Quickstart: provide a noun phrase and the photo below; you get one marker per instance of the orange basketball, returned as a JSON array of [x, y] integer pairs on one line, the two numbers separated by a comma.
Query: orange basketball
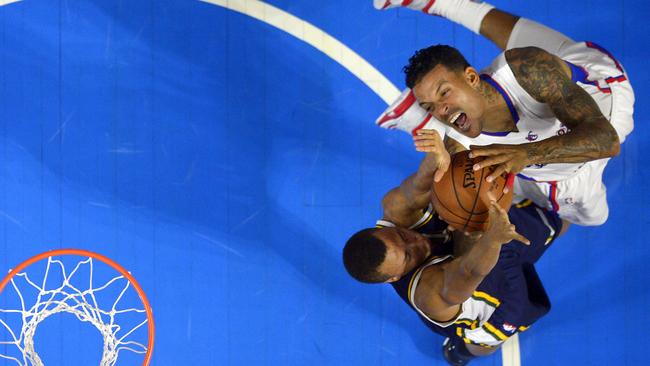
[[461, 196]]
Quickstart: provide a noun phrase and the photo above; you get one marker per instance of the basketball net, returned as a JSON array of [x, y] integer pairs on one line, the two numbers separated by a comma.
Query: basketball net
[[81, 302]]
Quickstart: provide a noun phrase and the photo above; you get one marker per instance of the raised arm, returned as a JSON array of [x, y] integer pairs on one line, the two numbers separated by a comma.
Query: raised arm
[[403, 205], [443, 288], [547, 78]]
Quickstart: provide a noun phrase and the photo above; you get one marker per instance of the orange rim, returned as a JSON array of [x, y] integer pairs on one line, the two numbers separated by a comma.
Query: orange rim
[[110, 262]]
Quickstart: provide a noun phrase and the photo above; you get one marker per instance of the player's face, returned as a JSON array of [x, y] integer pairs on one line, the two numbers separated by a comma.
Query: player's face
[[405, 250], [453, 97]]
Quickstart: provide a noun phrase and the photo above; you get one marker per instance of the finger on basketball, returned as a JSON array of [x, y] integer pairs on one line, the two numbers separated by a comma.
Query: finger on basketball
[[510, 181], [438, 175], [476, 151], [497, 172], [443, 166], [461, 198], [499, 159], [492, 198]]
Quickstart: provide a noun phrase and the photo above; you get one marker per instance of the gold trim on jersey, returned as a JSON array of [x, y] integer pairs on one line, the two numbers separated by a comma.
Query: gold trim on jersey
[[490, 300], [461, 333], [523, 328], [472, 324], [493, 331], [381, 223], [427, 214], [524, 203], [421, 224]]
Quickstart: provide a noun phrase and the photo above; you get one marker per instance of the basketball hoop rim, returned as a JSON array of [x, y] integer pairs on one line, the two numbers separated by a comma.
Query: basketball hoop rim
[[110, 262]]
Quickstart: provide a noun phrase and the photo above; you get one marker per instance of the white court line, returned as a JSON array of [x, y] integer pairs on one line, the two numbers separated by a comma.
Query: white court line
[[510, 351], [5, 2], [317, 38]]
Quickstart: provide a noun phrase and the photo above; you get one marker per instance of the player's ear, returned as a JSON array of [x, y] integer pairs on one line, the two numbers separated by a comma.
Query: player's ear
[[472, 76]]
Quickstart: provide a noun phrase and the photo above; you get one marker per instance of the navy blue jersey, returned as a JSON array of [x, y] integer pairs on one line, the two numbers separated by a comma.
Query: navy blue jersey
[[511, 297]]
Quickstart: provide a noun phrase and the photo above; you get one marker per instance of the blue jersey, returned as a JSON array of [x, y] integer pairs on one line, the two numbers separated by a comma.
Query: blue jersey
[[510, 298]]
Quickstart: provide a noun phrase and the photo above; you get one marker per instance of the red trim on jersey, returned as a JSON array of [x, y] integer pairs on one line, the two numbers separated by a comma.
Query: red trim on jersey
[[424, 122], [428, 6], [616, 79], [609, 80], [604, 90], [399, 110], [510, 180]]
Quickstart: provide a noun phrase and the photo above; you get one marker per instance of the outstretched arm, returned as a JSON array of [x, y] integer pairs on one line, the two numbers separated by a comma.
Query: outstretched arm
[[547, 78], [403, 205], [443, 288]]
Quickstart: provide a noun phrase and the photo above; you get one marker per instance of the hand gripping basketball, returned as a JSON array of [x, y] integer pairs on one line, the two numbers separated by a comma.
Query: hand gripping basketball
[[461, 197]]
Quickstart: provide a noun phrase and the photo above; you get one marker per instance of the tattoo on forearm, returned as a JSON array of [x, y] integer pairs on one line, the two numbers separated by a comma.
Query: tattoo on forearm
[[545, 78]]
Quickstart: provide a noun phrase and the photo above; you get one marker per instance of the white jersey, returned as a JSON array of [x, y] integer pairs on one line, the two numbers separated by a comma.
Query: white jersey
[[593, 69], [575, 191]]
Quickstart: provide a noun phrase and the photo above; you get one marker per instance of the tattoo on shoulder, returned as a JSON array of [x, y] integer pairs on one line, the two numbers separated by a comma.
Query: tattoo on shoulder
[[539, 73], [546, 78]]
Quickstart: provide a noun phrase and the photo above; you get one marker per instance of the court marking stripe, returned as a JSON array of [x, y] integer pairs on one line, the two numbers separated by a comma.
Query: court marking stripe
[[318, 39], [510, 351], [7, 2]]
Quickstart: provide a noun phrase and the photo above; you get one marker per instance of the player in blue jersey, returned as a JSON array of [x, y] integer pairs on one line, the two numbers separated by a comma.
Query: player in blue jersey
[[475, 290]]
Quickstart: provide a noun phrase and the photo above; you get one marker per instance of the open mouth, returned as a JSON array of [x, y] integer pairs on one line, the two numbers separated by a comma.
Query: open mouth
[[460, 120]]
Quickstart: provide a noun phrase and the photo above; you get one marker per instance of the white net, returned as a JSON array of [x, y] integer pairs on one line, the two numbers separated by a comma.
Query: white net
[[67, 296]]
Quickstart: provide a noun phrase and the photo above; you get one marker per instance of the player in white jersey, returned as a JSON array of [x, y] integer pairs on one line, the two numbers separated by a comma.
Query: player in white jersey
[[549, 109]]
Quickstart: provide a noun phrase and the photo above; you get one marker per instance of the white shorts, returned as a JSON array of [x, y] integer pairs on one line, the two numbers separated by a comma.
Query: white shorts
[[581, 199]]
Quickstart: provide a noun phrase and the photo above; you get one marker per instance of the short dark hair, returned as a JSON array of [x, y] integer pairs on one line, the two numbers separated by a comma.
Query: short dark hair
[[363, 254], [427, 59]]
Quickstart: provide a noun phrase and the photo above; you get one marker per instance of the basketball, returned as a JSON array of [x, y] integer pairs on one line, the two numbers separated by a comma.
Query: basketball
[[461, 197]]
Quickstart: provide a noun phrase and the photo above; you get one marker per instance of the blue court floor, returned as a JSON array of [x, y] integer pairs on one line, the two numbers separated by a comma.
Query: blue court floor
[[224, 162]]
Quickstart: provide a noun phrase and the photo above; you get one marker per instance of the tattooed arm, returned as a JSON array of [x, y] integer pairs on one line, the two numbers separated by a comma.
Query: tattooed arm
[[547, 78]]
